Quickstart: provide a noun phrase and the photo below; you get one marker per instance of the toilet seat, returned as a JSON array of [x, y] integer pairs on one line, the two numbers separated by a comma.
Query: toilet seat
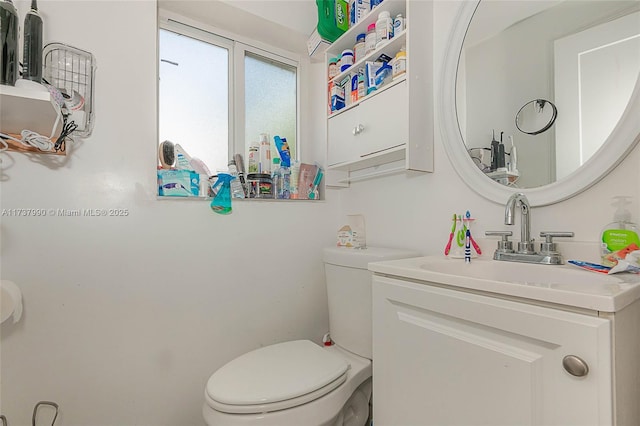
[[275, 377]]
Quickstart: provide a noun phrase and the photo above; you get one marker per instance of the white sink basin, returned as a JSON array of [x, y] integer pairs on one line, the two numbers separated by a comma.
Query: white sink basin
[[563, 284], [522, 273]]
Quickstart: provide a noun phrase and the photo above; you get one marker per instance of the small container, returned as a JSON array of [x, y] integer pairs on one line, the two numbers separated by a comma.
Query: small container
[[347, 59], [254, 159], [265, 154], [399, 64], [358, 49], [370, 39], [259, 185], [384, 28], [398, 24], [333, 67]]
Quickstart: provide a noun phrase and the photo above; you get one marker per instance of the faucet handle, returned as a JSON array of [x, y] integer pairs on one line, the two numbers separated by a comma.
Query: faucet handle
[[549, 246], [504, 245]]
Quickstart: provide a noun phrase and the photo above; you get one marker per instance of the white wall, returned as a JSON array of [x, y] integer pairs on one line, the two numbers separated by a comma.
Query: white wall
[[415, 211], [125, 318]]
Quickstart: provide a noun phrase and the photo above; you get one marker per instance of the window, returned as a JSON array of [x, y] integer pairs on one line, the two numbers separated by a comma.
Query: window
[[217, 95]]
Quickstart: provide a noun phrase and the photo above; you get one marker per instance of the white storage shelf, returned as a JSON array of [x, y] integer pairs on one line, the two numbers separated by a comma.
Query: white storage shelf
[[27, 109], [391, 129]]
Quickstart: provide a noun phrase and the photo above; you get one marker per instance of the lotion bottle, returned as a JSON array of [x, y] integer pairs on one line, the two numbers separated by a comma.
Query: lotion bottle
[[619, 237]]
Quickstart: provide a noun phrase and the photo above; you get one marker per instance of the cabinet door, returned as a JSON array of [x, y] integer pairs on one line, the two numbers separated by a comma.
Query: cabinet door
[[445, 357], [384, 119], [342, 136]]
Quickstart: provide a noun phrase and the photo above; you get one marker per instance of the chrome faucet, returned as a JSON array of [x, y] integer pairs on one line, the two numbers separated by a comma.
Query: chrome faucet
[[548, 255], [525, 245]]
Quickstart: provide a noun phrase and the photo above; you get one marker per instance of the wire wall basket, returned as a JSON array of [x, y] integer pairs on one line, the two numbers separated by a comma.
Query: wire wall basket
[[72, 71]]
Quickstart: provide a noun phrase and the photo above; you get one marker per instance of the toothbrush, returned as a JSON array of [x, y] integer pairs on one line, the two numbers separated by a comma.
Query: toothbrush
[[461, 232], [453, 229], [475, 245], [467, 247], [313, 191]]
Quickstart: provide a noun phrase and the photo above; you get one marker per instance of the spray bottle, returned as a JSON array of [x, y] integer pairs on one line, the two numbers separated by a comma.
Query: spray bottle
[[221, 203], [619, 237]]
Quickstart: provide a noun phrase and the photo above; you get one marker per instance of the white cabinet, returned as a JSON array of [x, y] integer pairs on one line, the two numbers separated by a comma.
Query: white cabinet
[[448, 357], [394, 124], [370, 127]]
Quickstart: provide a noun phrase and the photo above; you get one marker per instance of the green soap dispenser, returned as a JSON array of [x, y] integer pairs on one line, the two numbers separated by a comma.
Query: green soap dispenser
[[620, 236]]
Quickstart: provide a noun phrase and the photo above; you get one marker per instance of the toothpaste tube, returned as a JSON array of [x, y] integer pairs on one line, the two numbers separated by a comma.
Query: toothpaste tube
[[631, 263]]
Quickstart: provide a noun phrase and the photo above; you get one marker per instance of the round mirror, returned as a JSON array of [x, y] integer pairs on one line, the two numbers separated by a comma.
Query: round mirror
[[536, 117], [503, 54]]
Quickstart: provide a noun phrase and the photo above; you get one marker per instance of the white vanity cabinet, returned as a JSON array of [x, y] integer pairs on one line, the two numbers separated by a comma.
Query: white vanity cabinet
[[390, 129], [444, 356]]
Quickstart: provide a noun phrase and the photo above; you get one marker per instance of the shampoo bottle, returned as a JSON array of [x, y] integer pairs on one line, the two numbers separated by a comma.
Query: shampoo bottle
[[619, 237]]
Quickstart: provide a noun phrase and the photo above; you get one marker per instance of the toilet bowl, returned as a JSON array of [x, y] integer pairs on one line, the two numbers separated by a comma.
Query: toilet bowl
[[300, 383]]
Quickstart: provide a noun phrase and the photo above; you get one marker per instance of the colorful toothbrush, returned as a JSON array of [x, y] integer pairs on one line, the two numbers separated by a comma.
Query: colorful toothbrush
[[467, 247], [453, 230], [475, 245]]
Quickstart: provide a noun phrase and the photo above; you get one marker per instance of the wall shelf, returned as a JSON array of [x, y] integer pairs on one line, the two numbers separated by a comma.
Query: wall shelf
[[27, 108]]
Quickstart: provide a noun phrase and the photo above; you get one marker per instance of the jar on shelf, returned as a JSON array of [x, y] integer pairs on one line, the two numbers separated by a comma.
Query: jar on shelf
[[333, 68], [399, 63], [346, 60], [359, 49], [398, 24], [384, 28], [370, 39]]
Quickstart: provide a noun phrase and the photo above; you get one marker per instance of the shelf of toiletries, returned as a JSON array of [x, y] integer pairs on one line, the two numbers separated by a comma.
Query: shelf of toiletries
[[348, 39], [388, 49], [378, 91], [390, 129]]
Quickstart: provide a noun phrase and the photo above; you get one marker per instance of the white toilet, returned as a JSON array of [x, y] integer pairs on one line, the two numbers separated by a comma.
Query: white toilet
[[301, 383]]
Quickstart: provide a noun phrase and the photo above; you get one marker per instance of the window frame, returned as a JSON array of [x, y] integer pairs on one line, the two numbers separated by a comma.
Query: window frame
[[237, 46]]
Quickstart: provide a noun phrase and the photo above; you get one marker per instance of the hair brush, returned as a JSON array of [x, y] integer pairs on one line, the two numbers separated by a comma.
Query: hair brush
[[167, 154]]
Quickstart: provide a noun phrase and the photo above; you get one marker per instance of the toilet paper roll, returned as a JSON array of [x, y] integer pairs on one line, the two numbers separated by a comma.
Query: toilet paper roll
[[10, 301]]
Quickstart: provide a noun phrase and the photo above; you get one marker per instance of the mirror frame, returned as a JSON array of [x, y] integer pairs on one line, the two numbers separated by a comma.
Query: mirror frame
[[620, 142]]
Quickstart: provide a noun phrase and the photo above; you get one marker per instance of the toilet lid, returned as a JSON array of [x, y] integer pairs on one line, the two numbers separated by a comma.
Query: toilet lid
[[276, 377]]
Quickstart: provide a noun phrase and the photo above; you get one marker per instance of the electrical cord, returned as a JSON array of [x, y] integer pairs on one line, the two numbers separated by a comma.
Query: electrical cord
[[67, 129], [32, 139], [43, 143]]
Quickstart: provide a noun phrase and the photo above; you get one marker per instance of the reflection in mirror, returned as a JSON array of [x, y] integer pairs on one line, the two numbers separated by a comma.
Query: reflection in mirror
[[536, 117], [581, 57]]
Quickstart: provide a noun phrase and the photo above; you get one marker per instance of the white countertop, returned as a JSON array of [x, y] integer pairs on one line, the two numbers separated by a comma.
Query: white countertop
[[564, 284]]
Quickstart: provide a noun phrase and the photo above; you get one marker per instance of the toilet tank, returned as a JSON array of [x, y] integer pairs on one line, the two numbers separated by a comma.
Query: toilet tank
[[349, 293]]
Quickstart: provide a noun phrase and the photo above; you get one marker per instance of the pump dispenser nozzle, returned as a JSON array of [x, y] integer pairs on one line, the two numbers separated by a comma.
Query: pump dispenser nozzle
[[622, 214]]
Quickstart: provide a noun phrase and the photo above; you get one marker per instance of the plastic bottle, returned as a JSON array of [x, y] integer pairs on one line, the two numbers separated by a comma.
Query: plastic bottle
[[8, 43], [619, 237], [399, 63], [221, 202], [384, 28], [333, 67], [370, 39], [237, 191], [346, 60], [285, 173], [254, 159], [276, 178], [295, 175], [32, 53], [265, 154], [358, 49], [398, 24]]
